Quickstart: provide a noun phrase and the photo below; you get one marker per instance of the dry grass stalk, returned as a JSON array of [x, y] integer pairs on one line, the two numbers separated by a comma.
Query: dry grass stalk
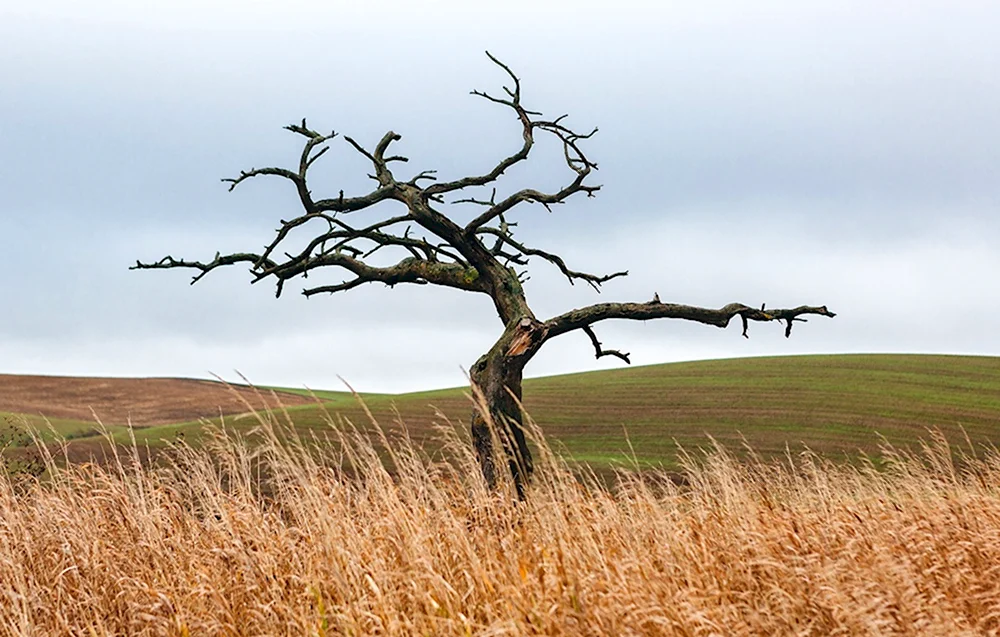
[[367, 535]]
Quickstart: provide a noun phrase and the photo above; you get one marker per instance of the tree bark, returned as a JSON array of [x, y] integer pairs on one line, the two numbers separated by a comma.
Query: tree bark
[[501, 392], [496, 379]]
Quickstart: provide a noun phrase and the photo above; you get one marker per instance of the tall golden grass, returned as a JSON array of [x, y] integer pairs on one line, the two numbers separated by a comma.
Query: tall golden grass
[[369, 535]]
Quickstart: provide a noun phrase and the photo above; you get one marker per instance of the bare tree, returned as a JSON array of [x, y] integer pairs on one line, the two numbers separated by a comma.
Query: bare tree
[[480, 255]]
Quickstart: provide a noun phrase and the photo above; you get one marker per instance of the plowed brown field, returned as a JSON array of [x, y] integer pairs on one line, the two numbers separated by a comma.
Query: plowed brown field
[[143, 401]]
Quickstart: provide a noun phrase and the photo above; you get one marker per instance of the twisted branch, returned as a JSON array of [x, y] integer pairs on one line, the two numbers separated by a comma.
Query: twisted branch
[[526, 134], [168, 262], [593, 280], [604, 352]]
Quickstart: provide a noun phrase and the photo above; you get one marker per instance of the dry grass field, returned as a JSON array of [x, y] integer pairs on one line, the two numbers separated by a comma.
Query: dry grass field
[[371, 536]]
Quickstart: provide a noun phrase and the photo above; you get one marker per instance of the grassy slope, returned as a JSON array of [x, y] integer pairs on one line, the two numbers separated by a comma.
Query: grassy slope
[[47, 428], [832, 404]]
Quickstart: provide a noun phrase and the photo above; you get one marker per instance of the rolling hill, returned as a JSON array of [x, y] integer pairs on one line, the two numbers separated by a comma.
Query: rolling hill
[[836, 405], [73, 405]]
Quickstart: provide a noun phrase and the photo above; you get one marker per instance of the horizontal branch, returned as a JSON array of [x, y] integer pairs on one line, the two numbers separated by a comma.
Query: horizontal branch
[[220, 260], [586, 316], [409, 270], [353, 204], [344, 235]]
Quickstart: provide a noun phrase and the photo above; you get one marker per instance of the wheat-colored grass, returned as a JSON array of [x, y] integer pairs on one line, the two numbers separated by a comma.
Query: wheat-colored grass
[[367, 535]]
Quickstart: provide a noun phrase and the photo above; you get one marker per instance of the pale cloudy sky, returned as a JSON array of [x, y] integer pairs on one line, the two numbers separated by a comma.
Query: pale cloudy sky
[[781, 152]]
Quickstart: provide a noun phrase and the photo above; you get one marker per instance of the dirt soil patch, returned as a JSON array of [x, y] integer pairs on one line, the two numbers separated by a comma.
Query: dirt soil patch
[[146, 401]]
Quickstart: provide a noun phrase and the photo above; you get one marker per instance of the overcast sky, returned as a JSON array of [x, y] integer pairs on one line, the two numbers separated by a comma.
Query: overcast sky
[[840, 153]]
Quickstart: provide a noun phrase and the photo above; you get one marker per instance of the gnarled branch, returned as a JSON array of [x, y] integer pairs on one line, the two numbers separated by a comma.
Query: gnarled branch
[[586, 316], [593, 280], [599, 352], [220, 260], [409, 270], [382, 173], [526, 134], [306, 160]]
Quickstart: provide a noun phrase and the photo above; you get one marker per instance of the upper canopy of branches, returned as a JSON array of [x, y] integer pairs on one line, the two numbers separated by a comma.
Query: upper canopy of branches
[[435, 248], [480, 255]]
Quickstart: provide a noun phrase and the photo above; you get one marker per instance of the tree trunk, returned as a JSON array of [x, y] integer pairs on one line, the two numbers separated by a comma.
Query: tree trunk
[[497, 376], [500, 385]]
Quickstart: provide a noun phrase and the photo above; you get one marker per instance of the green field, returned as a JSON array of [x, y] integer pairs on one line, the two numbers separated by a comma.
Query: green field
[[836, 405], [46, 428]]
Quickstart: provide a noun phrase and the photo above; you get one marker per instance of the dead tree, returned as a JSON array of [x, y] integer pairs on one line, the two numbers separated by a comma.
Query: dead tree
[[478, 254]]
